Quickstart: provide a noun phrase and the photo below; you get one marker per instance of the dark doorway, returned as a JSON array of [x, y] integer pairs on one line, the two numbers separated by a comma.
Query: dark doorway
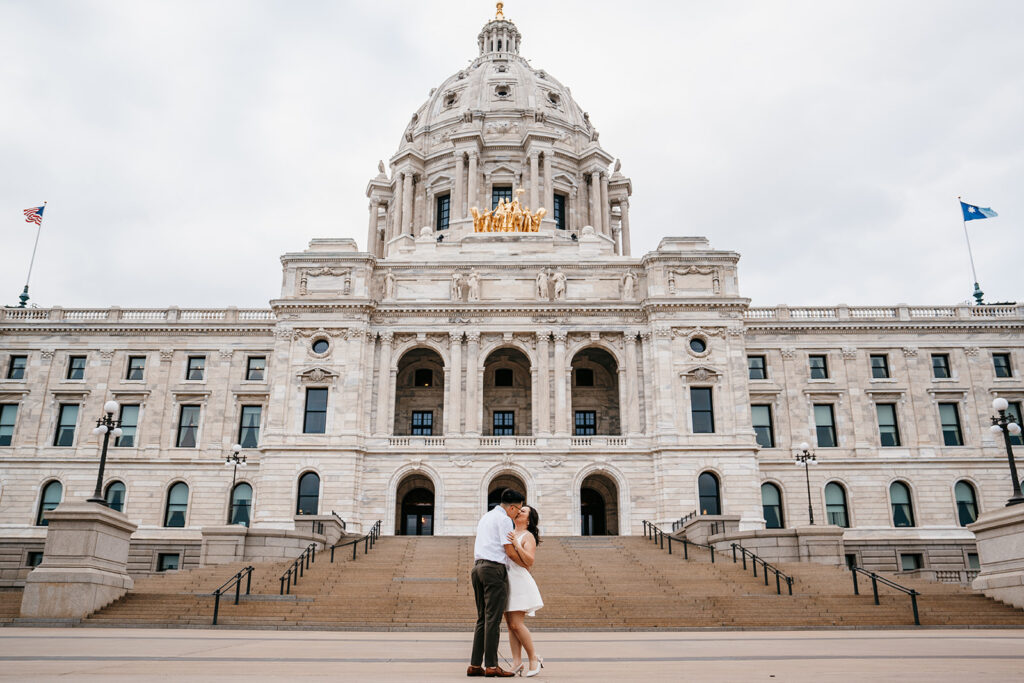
[[592, 513], [499, 484], [418, 513]]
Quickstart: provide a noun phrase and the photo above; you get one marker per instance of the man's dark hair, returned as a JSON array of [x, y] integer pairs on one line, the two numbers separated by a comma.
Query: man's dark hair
[[512, 497]]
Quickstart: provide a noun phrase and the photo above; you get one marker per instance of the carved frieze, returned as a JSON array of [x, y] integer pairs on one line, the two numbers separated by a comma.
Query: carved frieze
[[325, 280]]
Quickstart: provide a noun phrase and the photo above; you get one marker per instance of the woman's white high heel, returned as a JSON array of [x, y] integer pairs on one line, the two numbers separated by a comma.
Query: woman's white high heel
[[533, 672]]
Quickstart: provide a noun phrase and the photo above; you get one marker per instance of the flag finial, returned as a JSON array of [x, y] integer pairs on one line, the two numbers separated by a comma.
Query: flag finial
[[499, 14]]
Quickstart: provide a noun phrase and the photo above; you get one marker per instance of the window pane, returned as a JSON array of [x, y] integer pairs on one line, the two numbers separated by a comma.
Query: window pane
[[707, 487], [66, 422], [1001, 361], [115, 496], [756, 368], [902, 512], [196, 366], [8, 416], [703, 412], [499, 193], [443, 209], [241, 503], [136, 367], [50, 499], [188, 427], [315, 421], [129, 425], [835, 505], [762, 419], [824, 423], [586, 422], [966, 504], [177, 505], [76, 367], [1013, 410], [818, 366], [888, 430], [309, 494], [771, 502], [559, 211], [16, 369], [940, 366], [950, 418], [256, 369], [249, 427], [879, 366], [504, 423], [422, 423]]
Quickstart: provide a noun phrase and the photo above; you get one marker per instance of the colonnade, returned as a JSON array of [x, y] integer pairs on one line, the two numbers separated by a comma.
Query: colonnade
[[546, 421]]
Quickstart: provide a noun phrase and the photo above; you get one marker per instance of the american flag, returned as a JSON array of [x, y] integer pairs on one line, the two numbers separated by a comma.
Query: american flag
[[35, 215]]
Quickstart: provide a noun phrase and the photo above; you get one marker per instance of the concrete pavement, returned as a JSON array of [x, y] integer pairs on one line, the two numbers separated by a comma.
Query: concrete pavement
[[43, 654]]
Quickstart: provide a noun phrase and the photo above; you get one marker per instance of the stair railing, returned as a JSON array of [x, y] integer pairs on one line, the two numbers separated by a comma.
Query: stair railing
[[658, 536], [368, 542], [236, 581], [875, 578], [681, 522], [340, 520], [298, 569], [765, 567]]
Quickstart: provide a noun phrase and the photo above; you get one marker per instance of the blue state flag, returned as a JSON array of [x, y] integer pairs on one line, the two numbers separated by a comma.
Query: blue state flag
[[973, 213]]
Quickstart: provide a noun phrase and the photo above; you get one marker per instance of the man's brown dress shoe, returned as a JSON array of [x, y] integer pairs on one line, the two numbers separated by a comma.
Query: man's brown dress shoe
[[475, 670], [497, 672]]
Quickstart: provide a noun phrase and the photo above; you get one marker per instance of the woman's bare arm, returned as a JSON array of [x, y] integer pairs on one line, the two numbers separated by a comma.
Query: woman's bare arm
[[526, 550]]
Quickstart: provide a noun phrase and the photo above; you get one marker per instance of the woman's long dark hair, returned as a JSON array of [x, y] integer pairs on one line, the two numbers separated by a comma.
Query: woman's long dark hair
[[531, 525]]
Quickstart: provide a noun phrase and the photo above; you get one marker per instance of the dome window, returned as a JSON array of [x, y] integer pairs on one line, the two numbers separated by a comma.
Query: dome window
[[503, 92], [450, 99], [554, 99]]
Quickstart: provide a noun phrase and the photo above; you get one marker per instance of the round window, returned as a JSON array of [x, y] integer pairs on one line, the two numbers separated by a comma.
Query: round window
[[502, 91], [321, 346], [698, 345], [553, 98]]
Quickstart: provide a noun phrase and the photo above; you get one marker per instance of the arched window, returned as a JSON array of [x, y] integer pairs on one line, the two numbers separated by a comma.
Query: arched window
[[902, 510], [835, 505], [115, 496], [771, 504], [966, 503], [707, 486], [309, 494], [50, 499], [177, 505], [241, 504]]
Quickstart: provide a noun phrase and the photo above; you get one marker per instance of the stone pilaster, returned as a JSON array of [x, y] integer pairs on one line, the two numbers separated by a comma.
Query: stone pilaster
[[541, 396], [454, 412], [561, 397], [472, 403], [385, 410]]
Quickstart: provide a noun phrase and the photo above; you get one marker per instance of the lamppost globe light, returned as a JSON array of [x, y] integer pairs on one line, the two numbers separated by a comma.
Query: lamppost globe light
[[1000, 404], [111, 407], [996, 429], [1013, 428], [117, 433], [102, 429], [804, 445], [237, 448]]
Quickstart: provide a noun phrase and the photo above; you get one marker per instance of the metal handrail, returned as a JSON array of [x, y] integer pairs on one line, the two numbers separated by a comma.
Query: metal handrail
[[681, 522], [340, 520], [658, 536], [298, 569], [368, 541], [875, 578], [237, 581], [766, 567]]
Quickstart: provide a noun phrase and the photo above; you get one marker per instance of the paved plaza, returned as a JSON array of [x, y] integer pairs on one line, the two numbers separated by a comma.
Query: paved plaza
[[40, 654]]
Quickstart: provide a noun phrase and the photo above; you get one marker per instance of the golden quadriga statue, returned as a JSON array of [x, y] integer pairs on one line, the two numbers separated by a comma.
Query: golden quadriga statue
[[507, 217]]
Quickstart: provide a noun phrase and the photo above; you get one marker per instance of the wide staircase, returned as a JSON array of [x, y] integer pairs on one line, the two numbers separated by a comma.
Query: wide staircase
[[588, 583]]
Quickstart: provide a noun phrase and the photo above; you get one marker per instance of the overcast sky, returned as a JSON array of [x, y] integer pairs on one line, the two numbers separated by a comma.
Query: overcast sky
[[184, 146]]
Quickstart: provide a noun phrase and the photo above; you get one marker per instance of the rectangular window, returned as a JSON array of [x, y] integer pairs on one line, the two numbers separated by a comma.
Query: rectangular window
[[444, 203], [256, 369], [8, 414], [818, 366], [586, 422], [761, 416], [76, 367], [972, 561], [249, 426], [825, 425], [196, 367], [940, 366], [34, 558], [68, 418], [499, 193], [167, 561], [1001, 361], [136, 368], [129, 425], [950, 418], [422, 422], [315, 421], [702, 410], [911, 561], [504, 423], [16, 368], [879, 366], [888, 428], [756, 367], [558, 211], [188, 427], [1014, 411]]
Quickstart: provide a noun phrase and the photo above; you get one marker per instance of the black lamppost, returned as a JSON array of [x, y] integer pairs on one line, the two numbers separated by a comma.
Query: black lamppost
[[1007, 426], [106, 426], [805, 458], [235, 460]]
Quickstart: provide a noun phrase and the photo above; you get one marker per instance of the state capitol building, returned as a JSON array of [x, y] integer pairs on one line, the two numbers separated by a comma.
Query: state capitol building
[[496, 330]]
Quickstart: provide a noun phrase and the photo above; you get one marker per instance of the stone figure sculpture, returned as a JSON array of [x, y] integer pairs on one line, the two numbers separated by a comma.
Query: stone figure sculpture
[[389, 286], [474, 285], [542, 286], [457, 283], [559, 281], [380, 167], [507, 217], [628, 285]]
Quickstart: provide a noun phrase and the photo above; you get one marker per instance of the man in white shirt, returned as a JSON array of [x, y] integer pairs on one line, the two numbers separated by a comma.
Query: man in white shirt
[[490, 583]]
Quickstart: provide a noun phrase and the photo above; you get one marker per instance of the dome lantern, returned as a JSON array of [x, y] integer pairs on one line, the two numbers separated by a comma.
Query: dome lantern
[[499, 35]]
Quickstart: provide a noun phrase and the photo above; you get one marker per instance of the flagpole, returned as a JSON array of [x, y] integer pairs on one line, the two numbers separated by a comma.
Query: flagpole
[[24, 295], [978, 294]]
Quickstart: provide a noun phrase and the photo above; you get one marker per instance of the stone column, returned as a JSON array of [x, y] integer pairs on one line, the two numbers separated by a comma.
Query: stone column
[[85, 563], [632, 395], [454, 412], [561, 421], [541, 402], [534, 181], [624, 206], [399, 202], [472, 403], [606, 222], [474, 178], [407, 204], [371, 229], [549, 188], [594, 202], [458, 208], [384, 408]]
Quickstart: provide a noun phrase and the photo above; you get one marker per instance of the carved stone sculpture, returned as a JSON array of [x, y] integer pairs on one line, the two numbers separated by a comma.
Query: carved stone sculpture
[[473, 281], [389, 286], [558, 279], [543, 288], [507, 217], [457, 282], [629, 286]]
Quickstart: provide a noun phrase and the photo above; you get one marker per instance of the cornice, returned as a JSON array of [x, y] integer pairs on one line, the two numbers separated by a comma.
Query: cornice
[[819, 327], [258, 328]]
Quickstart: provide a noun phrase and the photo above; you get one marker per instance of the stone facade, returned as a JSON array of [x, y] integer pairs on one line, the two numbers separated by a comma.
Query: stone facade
[[548, 326]]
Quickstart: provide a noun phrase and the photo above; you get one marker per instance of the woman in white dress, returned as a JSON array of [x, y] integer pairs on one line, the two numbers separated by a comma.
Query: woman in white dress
[[523, 596]]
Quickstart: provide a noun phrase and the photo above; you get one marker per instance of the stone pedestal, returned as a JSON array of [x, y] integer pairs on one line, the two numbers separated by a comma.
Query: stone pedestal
[[1000, 537], [84, 563], [820, 544]]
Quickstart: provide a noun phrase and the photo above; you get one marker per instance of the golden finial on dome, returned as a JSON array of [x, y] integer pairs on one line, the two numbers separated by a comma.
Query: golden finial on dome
[[499, 15]]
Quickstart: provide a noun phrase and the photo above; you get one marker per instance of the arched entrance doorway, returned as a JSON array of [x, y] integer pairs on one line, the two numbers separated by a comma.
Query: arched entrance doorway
[[599, 506], [499, 484], [414, 501]]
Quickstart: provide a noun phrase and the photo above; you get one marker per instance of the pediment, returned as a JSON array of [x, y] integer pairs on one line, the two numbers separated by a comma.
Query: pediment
[[702, 374], [318, 375]]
